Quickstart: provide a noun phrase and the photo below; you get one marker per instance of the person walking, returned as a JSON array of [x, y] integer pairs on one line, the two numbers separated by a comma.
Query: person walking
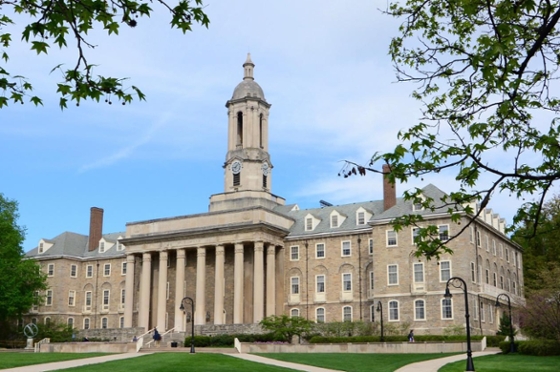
[[157, 337], [411, 336]]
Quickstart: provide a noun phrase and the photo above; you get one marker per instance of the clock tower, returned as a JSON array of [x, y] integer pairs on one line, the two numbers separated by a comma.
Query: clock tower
[[247, 169]]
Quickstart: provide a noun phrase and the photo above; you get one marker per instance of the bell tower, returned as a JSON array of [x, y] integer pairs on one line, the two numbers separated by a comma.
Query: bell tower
[[248, 165], [247, 169]]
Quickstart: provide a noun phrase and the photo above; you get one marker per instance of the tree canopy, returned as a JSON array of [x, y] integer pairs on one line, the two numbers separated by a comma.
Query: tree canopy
[[56, 23], [484, 72], [19, 278]]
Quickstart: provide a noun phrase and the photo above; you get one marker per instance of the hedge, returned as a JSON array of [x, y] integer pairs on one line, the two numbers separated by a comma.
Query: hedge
[[228, 340], [533, 347], [422, 338]]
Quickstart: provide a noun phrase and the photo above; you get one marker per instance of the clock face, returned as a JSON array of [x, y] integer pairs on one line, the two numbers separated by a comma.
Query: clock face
[[236, 167], [265, 169]]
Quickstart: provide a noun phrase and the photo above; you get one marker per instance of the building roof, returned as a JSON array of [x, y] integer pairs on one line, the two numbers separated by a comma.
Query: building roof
[[76, 245], [248, 88]]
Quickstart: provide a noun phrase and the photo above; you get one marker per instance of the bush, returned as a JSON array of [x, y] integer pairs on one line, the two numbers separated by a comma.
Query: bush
[[228, 340], [533, 347], [494, 341], [57, 332], [422, 338]]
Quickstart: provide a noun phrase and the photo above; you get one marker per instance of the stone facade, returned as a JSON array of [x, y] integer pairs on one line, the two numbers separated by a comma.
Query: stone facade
[[251, 256]]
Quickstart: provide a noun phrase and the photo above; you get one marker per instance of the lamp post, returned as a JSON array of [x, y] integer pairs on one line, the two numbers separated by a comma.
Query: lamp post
[[511, 343], [462, 285], [182, 308], [380, 310]]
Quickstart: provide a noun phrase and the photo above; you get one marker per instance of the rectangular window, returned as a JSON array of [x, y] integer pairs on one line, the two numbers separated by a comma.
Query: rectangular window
[[71, 298], [473, 273], [167, 291], [487, 241], [346, 248], [347, 282], [501, 251], [517, 262], [40, 247], [419, 310], [418, 273], [371, 280], [237, 179], [295, 285], [416, 235], [443, 232], [501, 282], [370, 245], [101, 247], [507, 255], [490, 313], [320, 250], [391, 238], [493, 246], [121, 322], [50, 270], [487, 278], [334, 220], [320, 315], [361, 218], [444, 271], [105, 299], [478, 241], [320, 283], [393, 274], [294, 253], [471, 234], [446, 309], [89, 271], [107, 270], [309, 224], [49, 300], [123, 296], [73, 271], [86, 323], [482, 315], [88, 300], [123, 268], [393, 311], [495, 280], [346, 314]]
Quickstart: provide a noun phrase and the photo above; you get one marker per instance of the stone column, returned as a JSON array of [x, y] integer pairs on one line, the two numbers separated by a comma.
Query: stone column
[[179, 280], [200, 302], [238, 285], [162, 291], [219, 286], [270, 280], [258, 284], [129, 291], [144, 311]]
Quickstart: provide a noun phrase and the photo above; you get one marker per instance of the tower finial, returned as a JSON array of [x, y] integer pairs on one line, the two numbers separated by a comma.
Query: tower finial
[[248, 68]]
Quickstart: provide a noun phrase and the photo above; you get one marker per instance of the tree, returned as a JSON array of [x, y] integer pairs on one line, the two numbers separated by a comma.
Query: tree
[[540, 317], [505, 326], [286, 327], [58, 22], [541, 244], [20, 278], [484, 71]]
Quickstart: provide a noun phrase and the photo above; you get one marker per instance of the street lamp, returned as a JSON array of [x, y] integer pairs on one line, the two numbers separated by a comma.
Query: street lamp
[[511, 344], [182, 308], [380, 310], [463, 286]]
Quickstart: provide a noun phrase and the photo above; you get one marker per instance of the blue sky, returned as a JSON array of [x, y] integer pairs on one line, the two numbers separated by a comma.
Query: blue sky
[[323, 65]]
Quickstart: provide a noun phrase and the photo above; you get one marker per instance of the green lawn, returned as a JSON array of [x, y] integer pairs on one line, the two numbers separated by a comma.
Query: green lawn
[[355, 362], [20, 359], [179, 362], [508, 363]]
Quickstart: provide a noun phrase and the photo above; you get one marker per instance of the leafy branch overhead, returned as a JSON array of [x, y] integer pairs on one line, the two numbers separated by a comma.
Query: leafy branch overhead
[[58, 23], [484, 72]]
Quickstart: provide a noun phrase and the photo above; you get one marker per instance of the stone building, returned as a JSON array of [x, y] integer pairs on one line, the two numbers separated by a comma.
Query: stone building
[[251, 256]]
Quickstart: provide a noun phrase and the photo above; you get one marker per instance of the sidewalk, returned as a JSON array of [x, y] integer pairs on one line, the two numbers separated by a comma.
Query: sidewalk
[[279, 363], [435, 364], [72, 363]]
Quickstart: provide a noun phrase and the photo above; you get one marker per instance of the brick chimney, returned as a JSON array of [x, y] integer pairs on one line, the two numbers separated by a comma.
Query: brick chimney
[[95, 228], [389, 192]]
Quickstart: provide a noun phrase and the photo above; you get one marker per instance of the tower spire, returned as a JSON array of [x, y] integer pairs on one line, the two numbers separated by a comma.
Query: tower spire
[[248, 68]]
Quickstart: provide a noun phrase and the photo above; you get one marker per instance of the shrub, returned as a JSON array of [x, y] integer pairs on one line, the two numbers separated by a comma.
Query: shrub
[[534, 347], [228, 340], [494, 341], [286, 327], [422, 338]]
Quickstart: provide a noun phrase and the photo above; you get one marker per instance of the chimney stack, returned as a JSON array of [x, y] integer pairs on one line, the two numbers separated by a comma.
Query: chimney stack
[[389, 192], [95, 228]]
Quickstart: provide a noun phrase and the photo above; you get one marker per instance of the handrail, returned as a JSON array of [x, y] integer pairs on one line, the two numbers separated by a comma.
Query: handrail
[[38, 344], [140, 340], [149, 343]]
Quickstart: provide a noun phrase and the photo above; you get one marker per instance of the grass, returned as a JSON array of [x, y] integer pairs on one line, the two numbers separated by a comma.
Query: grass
[[507, 363], [356, 362], [179, 362], [20, 359]]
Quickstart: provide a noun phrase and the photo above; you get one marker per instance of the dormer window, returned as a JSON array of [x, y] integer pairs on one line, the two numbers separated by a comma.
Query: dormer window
[[308, 224], [101, 247], [41, 247], [416, 207], [334, 220], [361, 220]]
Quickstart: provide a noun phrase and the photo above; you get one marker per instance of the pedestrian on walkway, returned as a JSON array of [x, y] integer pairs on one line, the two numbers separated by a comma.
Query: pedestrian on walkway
[[411, 336]]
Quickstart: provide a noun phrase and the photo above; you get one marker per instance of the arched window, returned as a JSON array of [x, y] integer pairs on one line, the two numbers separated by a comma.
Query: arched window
[[347, 314], [71, 322], [446, 308], [104, 322], [48, 320], [121, 322], [294, 313], [393, 310], [320, 315], [34, 320], [261, 131], [86, 323], [240, 129], [419, 310]]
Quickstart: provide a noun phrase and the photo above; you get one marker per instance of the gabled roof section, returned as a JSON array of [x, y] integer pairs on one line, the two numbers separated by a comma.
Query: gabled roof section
[[74, 245]]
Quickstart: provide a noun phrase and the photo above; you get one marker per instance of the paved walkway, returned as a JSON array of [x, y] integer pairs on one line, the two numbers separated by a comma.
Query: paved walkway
[[427, 366]]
